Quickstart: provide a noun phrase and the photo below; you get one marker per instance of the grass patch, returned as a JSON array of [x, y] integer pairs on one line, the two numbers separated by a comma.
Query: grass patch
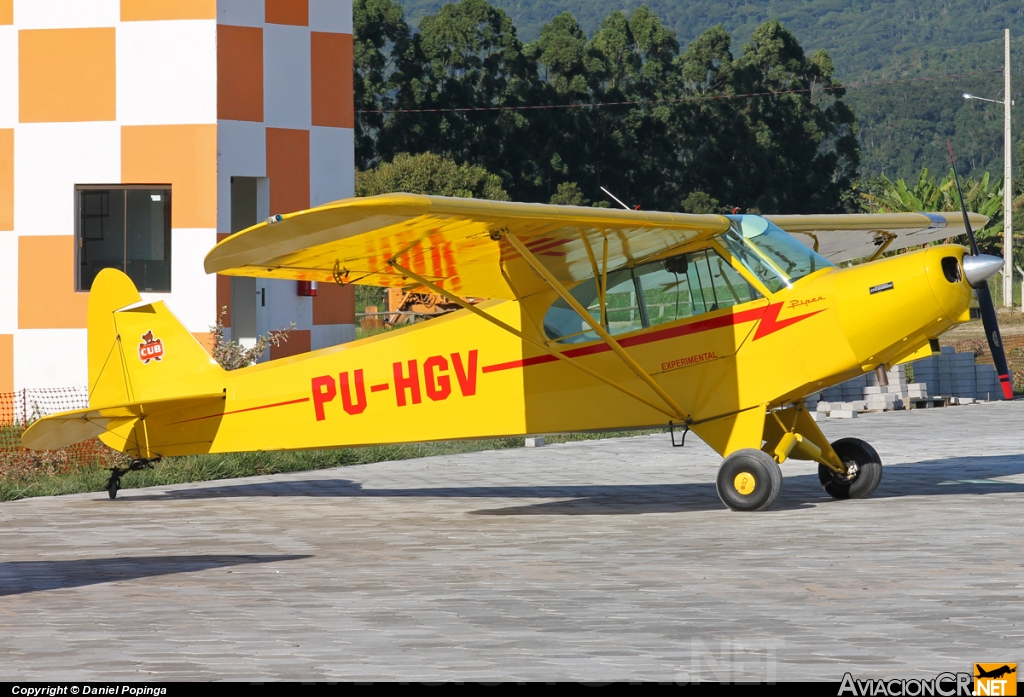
[[25, 483]]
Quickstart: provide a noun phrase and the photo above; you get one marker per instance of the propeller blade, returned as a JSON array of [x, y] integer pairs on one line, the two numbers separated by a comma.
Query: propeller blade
[[985, 304]]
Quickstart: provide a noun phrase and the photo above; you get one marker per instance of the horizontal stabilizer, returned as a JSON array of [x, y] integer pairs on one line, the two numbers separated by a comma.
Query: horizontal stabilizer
[[70, 427]]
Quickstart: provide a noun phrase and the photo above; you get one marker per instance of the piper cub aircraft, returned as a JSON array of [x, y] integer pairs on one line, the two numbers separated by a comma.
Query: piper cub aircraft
[[597, 319]]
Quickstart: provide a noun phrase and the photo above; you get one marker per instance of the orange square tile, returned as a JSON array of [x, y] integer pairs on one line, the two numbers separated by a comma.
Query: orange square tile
[[46, 284], [294, 12], [334, 304], [288, 169], [206, 339], [331, 74], [6, 11], [299, 341], [145, 10], [6, 364], [6, 178], [184, 157], [239, 73], [66, 75]]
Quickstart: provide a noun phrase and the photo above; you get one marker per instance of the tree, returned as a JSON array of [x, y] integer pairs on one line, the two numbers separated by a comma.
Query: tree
[[623, 109], [805, 154], [430, 174], [383, 63], [569, 194], [469, 57], [982, 195]]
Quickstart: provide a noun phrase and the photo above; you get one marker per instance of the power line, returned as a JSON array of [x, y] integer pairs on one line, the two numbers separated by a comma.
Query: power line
[[700, 98]]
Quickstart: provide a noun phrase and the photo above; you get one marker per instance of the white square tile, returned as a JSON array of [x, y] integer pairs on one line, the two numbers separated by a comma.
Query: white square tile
[[241, 152], [8, 282], [193, 296], [286, 77], [167, 72], [324, 335], [331, 15], [8, 77], [50, 358], [50, 158], [331, 164], [63, 14], [243, 13]]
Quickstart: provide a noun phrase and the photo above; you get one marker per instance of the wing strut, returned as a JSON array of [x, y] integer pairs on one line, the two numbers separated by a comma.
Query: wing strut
[[530, 340], [883, 242], [598, 329]]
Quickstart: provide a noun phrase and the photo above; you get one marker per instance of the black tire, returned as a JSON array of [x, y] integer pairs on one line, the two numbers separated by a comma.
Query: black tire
[[112, 487], [749, 480], [867, 475]]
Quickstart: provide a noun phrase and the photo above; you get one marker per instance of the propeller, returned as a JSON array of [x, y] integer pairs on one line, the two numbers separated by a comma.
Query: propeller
[[978, 268]]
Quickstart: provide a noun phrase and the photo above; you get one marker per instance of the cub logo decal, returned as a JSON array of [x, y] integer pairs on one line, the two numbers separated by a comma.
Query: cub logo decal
[[151, 349]]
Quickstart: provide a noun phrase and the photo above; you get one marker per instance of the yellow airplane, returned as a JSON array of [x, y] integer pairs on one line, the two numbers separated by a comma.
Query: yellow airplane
[[597, 319]]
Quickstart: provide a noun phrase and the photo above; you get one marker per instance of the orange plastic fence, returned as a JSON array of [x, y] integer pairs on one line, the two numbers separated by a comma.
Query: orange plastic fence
[[19, 409]]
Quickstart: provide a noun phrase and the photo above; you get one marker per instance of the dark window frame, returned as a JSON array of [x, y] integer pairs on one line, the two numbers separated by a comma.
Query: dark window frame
[[81, 237]]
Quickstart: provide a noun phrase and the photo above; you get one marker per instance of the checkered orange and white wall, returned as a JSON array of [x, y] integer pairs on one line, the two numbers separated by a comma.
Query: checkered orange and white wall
[[183, 92]]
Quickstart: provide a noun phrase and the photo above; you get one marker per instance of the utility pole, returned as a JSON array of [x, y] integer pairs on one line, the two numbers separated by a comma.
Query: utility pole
[[1007, 182]]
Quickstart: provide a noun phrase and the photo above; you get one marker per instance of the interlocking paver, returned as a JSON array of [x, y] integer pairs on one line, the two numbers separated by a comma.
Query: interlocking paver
[[595, 560]]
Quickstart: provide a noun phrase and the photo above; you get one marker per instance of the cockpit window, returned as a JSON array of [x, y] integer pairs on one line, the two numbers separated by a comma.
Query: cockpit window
[[654, 293], [776, 258]]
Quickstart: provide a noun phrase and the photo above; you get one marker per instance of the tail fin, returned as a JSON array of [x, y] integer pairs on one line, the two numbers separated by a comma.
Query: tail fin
[[142, 362], [111, 291], [140, 353]]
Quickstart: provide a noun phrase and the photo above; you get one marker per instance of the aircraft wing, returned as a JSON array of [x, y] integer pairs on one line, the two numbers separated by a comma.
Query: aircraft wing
[[458, 244], [846, 237], [455, 243]]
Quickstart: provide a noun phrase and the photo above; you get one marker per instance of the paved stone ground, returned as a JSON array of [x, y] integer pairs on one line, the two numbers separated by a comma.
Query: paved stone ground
[[597, 560]]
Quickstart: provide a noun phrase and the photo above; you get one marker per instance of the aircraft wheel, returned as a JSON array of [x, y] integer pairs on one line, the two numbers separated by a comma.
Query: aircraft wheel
[[865, 469], [113, 484], [749, 480]]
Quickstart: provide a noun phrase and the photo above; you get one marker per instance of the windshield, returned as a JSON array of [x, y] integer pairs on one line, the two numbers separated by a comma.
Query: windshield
[[775, 257]]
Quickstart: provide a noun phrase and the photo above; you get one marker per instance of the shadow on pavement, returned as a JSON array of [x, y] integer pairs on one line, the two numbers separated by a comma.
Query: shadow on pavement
[[18, 577], [950, 476]]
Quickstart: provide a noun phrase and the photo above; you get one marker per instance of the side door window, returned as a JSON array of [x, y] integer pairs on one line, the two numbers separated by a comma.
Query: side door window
[[622, 310], [650, 294], [691, 284]]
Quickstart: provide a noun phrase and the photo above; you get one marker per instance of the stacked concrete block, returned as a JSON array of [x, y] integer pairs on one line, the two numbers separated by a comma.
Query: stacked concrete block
[[988, 382], [879, 398], [947, 374], [916, 390], [896, 376], [952, 374], [847, 391]]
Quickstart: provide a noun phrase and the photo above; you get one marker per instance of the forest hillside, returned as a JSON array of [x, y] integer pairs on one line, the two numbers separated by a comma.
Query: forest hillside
[[926, 53]]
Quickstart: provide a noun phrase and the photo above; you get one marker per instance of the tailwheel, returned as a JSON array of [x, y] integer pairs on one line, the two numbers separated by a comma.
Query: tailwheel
[[863, 470], [114, 483], [749, 480]]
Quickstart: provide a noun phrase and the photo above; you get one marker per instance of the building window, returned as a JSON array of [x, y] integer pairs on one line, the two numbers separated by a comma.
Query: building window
[[127, 228]]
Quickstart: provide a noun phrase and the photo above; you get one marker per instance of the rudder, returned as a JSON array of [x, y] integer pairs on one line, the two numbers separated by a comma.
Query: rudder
[[139, 352], [111, 291]]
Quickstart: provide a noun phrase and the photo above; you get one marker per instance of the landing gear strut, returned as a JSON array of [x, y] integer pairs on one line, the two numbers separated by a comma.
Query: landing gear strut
[[863, 470], [114, 483]]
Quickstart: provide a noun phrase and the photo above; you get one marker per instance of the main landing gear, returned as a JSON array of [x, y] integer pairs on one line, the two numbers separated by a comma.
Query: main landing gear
[[863, 470], [751, 480], [114, 483]]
